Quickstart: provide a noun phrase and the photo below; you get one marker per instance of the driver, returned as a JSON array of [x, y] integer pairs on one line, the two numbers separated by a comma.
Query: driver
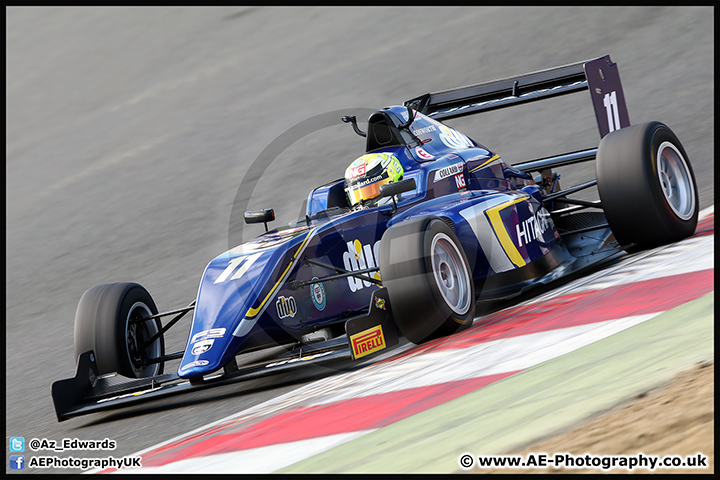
[[365, 176]]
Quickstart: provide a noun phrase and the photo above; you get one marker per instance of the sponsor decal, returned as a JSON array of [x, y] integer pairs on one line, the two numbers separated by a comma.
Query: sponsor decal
[[202, 346], [367, 342], [286, 307], [424, 130], [460, 181], [356, 170], [446, 172], [422, 153], [196, 363], [317, 293], [366, 182], [532, 228], [212, 333], [360, 257], [453, 138], [380, 303]]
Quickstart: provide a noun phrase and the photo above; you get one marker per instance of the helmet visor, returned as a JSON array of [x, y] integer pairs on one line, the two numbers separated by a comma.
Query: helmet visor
[[367, 188]]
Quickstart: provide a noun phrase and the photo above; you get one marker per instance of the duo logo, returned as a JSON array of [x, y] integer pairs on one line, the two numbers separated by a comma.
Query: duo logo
[[286, 307], [359, 257]]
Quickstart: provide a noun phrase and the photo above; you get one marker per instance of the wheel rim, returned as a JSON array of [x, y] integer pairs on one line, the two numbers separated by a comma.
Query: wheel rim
[[137, 334], [451, 275], [676, 181]]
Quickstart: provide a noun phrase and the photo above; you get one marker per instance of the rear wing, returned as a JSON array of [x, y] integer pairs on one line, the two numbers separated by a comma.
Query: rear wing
[[599, 76]]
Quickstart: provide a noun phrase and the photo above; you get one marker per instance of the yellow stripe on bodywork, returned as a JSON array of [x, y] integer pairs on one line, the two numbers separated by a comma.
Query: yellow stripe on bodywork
[[502, 233], [252, 312], [494, 157]]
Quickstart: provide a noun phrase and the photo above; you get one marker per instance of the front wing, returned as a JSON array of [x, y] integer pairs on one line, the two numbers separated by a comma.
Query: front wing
[[89, 392]]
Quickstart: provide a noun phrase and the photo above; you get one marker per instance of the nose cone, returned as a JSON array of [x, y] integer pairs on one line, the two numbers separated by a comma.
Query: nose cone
[[235, 288], [229, 286]]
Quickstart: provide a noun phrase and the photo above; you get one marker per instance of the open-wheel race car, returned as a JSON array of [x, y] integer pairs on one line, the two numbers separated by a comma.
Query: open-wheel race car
[[426, 223]]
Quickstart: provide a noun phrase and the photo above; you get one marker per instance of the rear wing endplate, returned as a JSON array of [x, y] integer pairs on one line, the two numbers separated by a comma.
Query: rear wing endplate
[[599, 76]]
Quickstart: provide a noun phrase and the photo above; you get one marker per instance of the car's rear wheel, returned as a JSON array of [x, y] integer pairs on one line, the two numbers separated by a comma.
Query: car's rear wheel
[[109, 321], [428, 278], [646, 186]]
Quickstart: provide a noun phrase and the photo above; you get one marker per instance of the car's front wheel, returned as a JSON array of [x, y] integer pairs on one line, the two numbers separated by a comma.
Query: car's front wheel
[[428, 279], [109, 321]]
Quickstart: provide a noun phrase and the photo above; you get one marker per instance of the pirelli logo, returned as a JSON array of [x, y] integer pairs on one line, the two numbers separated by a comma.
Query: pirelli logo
[[367, 342]]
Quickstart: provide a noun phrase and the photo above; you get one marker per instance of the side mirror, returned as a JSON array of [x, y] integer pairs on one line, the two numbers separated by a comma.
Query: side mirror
[[393, 189], [411, 117], [260, 216]]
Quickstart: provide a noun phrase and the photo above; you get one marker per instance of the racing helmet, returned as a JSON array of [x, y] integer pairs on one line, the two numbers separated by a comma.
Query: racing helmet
[[365, 176]]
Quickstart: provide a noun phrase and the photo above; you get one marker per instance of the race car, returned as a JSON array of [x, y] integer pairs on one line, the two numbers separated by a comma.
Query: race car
[[423, 226]]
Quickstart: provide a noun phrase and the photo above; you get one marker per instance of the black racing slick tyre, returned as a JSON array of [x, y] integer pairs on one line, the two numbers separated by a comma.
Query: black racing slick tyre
[[428, 279], [646, 185], [108, 321]]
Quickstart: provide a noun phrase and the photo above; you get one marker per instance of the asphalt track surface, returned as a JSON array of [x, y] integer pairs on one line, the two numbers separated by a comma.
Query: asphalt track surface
[[129, 131]]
